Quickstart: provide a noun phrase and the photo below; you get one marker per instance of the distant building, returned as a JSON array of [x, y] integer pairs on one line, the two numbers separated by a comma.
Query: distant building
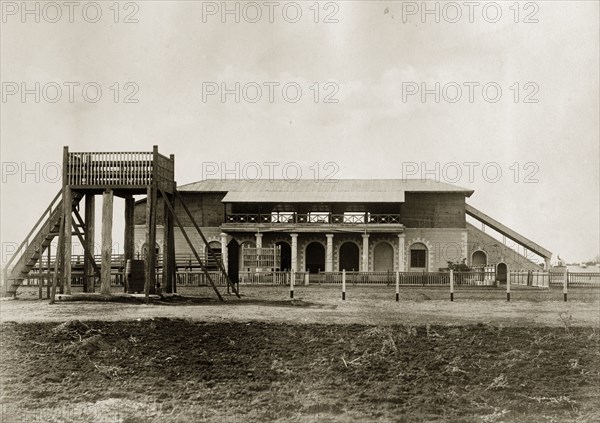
[[363, 225]]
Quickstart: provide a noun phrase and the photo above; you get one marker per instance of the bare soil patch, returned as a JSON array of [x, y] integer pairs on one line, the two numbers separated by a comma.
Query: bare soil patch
[[176, 370]]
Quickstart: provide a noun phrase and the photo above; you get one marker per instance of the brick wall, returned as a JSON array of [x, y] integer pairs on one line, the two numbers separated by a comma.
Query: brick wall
[[433, 210], [443, 245], [496, 251], [206, 208]]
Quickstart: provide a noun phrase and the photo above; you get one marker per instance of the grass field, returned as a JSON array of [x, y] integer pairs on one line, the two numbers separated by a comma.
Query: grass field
[[315, 358]]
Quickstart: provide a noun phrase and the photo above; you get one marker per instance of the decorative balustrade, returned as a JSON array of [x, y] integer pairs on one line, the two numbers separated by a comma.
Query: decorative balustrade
[[295, 218]]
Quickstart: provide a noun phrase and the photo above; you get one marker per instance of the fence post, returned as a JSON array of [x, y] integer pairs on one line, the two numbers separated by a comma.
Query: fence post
[[397, 286], [451, 285], [508, 286], [292, 279], [306, 278], [343, 284], [565, 285]]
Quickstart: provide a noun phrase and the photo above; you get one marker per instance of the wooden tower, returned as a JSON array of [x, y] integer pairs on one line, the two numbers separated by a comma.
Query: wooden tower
[[109, 174]]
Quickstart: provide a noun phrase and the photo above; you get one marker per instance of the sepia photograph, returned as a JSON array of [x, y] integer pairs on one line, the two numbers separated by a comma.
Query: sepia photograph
[[300, 211]]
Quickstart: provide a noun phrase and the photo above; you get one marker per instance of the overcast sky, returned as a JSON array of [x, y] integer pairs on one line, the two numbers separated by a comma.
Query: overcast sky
[[361, 69]]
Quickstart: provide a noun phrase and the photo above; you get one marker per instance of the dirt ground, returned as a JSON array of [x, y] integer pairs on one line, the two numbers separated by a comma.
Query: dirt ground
[[314, 304], [315, 358]]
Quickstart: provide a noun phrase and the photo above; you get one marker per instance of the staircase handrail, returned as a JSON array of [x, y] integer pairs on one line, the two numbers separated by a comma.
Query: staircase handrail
[[35, 229]]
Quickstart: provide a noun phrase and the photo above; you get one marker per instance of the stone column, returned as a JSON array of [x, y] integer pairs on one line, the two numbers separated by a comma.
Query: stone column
[[224, 251], [329, 253], [365, 253], [401, 264], [259, 240], [294, 252]]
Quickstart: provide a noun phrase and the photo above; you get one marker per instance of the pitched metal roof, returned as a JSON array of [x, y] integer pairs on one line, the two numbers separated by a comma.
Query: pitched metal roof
[[308, 190]]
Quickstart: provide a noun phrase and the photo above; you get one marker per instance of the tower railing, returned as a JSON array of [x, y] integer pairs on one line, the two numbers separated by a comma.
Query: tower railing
[[134, 169]]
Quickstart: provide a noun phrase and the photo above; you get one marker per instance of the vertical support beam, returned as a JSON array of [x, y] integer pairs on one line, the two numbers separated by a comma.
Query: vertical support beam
[[565, 285], [167, 274], [397, 286], [329, 253], [451, 285], [365, 253], [224, 252], [57, 259], [107, 220], [171, 247], [49, 281], [90, 218], [171, 240], [60, 250], [547, 265], [68, 229], [40, 269], [128, 237], [294, 252], [401, 247], [150, 242]]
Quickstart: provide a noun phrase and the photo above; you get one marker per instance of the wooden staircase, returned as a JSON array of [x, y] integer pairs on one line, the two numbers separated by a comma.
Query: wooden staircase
[[33, 247]]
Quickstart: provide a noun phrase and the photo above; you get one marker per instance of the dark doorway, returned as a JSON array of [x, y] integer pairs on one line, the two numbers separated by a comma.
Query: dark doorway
[[479, 259], [349, 256], [286, 255], [233, 261], [315, 257], [213, 255], [501, 272]]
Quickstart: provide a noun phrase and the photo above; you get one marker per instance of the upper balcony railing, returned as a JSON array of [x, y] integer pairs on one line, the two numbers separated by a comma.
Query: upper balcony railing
[[295, 218], [118, 169]]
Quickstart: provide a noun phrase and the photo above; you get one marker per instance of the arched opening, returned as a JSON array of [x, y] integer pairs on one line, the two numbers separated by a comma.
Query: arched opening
[[501, 272], [233, 261], [418, 256], [383, 257], [286, 255], [349, 256], [315, 257], [215, 248], [479, 259]]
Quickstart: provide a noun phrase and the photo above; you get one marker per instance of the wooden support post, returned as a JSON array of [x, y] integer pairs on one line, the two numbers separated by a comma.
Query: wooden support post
[[508, 286], [171, 240], [57, 270], [451, 285], [49, 280], [167, 272], [343, 284], [150, 242], [565, 285], [397, 286], [128, 237], [68, 213], [292, 280], [40, 278], [90, 217], [107, 220]]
